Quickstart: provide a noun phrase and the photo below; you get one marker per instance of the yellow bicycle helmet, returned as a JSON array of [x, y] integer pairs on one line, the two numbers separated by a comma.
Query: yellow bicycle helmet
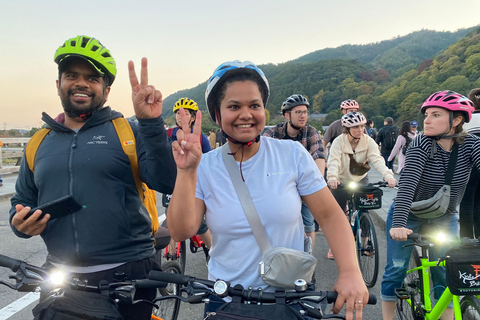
[[91, 50], [185, 103]]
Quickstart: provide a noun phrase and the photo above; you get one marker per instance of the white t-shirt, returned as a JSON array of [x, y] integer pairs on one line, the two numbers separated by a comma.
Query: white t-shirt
[[276, 177]]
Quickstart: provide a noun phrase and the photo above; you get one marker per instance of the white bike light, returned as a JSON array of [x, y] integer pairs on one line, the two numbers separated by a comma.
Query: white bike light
[[441, 237], [57, 277], [352, 185]]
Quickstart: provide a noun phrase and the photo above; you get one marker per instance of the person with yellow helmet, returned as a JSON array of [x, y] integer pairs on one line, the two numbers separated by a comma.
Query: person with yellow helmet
[[82, 156], [192, 108]]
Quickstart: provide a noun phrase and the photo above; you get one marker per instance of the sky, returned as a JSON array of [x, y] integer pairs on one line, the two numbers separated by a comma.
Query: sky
[[185, 41]]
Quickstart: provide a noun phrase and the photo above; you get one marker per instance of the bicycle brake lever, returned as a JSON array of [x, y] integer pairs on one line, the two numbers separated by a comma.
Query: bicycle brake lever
[[311, 310]]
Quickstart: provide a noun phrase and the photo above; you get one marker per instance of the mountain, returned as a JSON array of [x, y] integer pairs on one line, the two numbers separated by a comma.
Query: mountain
[[387, 78], [398, 53]]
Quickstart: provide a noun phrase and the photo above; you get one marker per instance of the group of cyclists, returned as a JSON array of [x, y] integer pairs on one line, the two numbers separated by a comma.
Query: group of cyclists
[[285, 179]]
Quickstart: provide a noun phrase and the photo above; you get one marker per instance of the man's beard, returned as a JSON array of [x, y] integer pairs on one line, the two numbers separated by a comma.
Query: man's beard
[[74, 110]]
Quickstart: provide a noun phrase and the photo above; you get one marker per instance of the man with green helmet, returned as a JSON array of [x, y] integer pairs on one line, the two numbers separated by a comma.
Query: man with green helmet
[[82, 156]]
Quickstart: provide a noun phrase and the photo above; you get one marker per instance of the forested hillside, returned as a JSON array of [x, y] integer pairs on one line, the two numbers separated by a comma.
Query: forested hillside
[[389, 78]]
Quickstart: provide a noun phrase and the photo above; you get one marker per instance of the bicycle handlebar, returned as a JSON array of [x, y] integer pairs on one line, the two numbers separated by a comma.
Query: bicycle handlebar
[[426, 241], [7, 262], [249, 294]]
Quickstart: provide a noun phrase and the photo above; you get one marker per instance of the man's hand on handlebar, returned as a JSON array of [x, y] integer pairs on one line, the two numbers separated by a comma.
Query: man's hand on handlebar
[[31, 226]]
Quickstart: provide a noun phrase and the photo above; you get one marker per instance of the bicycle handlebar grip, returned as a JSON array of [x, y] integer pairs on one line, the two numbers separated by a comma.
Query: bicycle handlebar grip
[[414, 236], [332, 297], [7, 262], [168, 277]]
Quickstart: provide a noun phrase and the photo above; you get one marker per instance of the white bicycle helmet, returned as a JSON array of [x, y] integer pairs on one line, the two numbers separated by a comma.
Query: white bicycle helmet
[[353, 119]]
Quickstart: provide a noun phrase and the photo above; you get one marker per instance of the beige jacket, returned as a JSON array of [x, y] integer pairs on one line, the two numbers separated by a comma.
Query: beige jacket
[[339, 160]]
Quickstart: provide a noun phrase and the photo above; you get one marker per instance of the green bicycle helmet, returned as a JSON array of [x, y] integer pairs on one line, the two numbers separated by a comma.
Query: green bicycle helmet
[[91, 50]]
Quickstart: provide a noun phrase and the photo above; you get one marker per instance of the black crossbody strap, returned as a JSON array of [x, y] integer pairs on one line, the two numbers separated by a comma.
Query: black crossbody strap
[[451, 164]]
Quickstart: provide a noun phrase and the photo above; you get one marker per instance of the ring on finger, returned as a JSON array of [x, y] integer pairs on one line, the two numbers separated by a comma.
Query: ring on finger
[[359, 302]]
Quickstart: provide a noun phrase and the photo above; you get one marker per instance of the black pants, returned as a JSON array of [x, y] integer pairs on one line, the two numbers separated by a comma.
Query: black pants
[[133, 270], [470, 207]]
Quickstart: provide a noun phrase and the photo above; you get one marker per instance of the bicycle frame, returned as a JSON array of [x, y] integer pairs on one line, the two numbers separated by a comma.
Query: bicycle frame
[[424, 309], [442, 303]]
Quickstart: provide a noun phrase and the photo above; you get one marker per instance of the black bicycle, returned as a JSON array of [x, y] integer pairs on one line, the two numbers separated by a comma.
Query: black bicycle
[[78, 298], [361, 199], [253, 303]]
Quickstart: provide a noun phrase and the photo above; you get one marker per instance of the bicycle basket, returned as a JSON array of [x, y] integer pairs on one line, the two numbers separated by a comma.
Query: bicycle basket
[[367, 197], [463, 270]]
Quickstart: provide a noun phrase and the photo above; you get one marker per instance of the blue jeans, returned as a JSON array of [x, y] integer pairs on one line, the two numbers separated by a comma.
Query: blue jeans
[[307, 217], [389, 164], [398, 257]]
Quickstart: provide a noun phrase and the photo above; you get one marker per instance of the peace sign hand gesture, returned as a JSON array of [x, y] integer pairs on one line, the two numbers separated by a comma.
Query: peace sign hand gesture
[[147, 102], [187, 150]]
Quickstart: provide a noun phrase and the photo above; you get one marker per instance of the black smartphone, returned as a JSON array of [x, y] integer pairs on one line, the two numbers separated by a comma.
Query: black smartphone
[[57, 208]]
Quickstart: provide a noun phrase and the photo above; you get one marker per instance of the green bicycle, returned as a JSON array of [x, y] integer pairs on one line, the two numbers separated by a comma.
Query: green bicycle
[[414, 295]]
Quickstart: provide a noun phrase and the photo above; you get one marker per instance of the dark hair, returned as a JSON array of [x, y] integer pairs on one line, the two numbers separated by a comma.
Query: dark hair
[[405, 129], [388, 120], [473, 96], [369, 122], [219, 94]]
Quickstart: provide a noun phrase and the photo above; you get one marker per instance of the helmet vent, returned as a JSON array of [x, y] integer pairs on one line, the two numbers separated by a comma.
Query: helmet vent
[[73, 43], [449, 98], [95, 48], [106, 55], [84, 42]]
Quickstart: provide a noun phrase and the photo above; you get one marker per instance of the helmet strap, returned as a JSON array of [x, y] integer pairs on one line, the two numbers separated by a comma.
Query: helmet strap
[[293, 126], [353, 138]]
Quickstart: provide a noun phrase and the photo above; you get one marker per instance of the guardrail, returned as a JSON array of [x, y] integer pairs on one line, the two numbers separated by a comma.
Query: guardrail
[[7, 152]]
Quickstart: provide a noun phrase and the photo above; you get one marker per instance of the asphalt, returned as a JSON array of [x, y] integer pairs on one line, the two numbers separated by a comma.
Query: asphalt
[[8, 188], [379, 215]]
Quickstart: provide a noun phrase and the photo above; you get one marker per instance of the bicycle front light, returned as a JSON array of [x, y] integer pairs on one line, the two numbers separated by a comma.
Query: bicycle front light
[[441, 237], [352, 185], [57, 277]]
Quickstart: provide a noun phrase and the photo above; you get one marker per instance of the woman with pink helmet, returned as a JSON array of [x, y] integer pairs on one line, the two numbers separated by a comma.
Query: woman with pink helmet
[[424, 175]]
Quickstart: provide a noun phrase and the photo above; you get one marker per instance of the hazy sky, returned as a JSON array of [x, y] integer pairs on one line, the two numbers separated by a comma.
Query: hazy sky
[[186, 40]]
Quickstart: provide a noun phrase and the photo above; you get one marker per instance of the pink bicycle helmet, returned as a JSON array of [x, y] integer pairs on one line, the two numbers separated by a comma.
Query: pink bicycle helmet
[[353, 119], [451, 101], [349, 104]]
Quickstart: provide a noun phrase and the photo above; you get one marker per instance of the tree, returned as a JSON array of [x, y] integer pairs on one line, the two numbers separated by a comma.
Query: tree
[[317, 101], [32, 131], [424, 65], [457, 84], [382, 75]]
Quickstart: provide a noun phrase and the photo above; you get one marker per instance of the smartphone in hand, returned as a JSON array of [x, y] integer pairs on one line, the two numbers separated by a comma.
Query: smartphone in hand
[[57, 208]]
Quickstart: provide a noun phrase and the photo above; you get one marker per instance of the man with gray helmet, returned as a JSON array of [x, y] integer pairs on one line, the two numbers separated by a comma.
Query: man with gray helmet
[[295, 110]]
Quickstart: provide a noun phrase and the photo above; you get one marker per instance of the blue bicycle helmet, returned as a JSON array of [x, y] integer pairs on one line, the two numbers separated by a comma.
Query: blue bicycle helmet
[[226, 70]]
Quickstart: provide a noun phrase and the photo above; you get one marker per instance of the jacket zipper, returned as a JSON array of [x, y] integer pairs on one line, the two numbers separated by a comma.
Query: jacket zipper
[[70, 167]]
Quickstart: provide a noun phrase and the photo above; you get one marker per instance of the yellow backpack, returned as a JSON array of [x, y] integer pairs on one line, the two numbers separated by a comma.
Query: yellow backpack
[[127, 140]]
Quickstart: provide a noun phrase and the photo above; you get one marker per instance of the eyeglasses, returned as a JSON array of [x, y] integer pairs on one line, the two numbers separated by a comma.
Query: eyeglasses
[[301, 113], [477, 97]]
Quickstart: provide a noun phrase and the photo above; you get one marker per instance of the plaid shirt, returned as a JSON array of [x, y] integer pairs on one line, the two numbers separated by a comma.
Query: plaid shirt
[[308, 137]]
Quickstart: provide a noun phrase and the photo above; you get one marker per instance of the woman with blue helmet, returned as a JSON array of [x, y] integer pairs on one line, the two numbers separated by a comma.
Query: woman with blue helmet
[[236, 96]]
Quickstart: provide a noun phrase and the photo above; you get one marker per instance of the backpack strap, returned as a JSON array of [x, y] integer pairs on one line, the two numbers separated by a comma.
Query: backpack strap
[[32, 146], [127, 140]]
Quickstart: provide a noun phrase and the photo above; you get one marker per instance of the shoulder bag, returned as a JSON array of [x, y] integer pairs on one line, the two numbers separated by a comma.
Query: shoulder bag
[[437, 206], [280, 267]]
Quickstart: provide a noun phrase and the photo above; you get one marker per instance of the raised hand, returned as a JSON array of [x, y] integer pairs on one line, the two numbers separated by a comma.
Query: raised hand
[[147, 101], [187, 150]]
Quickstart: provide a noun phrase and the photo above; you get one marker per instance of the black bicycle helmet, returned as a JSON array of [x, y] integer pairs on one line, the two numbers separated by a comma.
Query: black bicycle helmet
[[293, 101]]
